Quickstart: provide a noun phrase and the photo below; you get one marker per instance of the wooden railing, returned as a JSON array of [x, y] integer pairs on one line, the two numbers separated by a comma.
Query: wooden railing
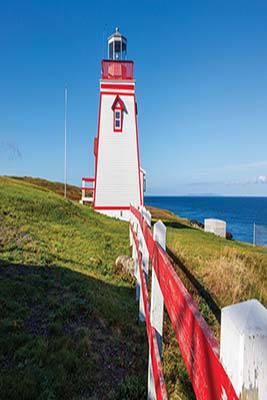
[[86, 189], [199, 348]]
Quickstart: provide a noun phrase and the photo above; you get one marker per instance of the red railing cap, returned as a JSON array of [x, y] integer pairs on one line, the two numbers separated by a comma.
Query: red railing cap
[[88, 179]]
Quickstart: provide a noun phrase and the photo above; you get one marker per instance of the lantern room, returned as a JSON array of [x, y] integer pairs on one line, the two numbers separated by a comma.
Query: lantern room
[[117, 46]]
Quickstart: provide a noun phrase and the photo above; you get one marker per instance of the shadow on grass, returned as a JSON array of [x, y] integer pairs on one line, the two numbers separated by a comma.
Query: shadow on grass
[[198, 286], [64, 334], [176, 225]]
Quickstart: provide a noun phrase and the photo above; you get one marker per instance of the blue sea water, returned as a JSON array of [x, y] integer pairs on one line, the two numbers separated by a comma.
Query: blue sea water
[[240, 213]]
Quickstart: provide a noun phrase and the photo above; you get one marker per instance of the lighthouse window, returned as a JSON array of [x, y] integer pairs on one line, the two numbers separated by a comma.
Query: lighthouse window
[[110, 51], [117, 46], [117, 120]]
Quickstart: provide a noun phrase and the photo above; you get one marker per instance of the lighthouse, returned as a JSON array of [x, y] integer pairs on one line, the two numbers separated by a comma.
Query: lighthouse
[[119, 179]]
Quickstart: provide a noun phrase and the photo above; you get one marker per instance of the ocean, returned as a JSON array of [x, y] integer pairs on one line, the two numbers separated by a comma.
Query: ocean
[[240, 213]]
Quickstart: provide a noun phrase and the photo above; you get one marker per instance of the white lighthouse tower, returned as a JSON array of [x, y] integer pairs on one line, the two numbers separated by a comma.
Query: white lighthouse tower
[[119, 180]]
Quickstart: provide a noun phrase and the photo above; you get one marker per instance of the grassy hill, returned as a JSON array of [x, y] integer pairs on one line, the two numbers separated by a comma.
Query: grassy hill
[[232, 271], [73, 192], [68, 318], [68, 323]]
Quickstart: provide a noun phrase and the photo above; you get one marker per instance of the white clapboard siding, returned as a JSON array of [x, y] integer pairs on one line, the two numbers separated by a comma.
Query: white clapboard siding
[[117, 179]]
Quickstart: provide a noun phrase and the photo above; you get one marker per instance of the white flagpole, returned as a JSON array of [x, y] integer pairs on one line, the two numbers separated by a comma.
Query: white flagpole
[[65, 158]]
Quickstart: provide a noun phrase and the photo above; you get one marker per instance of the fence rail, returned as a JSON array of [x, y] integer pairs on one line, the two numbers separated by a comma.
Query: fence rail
[[199, 348]]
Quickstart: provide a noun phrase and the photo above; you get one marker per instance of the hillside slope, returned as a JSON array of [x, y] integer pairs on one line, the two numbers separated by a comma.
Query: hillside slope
[[67, 321], [73, 192]]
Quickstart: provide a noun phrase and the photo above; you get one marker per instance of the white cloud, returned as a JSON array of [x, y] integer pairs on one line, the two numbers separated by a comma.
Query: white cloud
[[262, 179], [228, 168], [259, 179]]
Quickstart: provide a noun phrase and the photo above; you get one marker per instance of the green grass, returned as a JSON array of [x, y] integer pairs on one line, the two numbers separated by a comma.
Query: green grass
[[231, 271], [73, 192], [68, 322], [68, 318]]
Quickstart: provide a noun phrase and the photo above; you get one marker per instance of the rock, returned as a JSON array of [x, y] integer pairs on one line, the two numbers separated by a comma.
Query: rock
[[196, 223], [126, 264], [229, 236]]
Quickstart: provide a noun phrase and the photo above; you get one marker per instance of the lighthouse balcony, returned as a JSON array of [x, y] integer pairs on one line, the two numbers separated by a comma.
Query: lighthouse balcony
[[117, 70], [87, 192]]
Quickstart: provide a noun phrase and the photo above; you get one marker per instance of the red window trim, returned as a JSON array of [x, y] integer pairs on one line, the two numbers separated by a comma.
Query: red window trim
[[117, 106]]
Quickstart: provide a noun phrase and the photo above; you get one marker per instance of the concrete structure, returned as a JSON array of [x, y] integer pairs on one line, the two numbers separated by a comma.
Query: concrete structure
[[118, 180], [216, 226], [243, 349]]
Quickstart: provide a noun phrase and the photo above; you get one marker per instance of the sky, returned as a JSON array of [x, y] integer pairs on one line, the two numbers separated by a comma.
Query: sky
[[201, 85]]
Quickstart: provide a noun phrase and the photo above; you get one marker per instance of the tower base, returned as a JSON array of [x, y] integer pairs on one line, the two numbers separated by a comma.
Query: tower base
[[124, 215]]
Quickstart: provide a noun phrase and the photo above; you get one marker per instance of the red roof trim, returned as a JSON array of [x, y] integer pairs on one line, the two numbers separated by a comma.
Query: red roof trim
[[118, 103], [116, 86]]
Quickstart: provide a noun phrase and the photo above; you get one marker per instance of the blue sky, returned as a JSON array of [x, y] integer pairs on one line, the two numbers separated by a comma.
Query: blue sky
[[201, 72]]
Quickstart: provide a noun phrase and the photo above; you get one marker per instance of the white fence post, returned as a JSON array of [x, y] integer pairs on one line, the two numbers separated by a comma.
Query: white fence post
[[135, 226], [146, 214], [83, 190], [130, 231], [243, 350], [157, 306], [145, 254], [145, 257], [139, 294]]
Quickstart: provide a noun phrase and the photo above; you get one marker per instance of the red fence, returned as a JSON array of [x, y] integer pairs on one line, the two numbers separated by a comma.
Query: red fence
[[199, 348], [151, 334]]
